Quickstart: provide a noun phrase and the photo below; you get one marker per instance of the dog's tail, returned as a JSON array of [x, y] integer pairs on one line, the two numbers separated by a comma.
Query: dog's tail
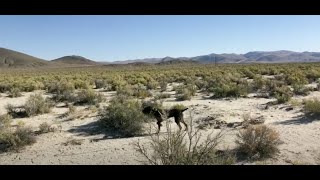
[[184, 109]]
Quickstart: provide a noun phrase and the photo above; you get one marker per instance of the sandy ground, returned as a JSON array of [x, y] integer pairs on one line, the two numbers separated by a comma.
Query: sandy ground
[[300, 136]]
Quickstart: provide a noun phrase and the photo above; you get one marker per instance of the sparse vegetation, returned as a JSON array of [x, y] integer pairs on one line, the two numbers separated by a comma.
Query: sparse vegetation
[[16, 140], [88, 96], [36, 104], [125, 117], [312, 107], [15, 92], [46, 128], [259, 141], [184, 148]]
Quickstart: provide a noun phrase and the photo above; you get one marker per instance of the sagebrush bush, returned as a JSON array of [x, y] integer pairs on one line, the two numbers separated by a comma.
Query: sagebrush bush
[[229, 90], [283, 94], [81, 85], [260, 141], [15, 92], [162, 96], [312, 107], [123, 116], [36, 104], [184, 94], [89, 96], [163, 86], [60, 87], [100, 83], [183, 148], [299, 89], [46, 128], [16, 140], [141, 91], [5, 121]]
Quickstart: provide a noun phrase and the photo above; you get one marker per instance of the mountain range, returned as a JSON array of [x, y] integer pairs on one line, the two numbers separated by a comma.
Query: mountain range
[[11, 58]]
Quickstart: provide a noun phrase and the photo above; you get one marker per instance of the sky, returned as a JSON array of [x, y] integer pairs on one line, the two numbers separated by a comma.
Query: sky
[[113, 38]]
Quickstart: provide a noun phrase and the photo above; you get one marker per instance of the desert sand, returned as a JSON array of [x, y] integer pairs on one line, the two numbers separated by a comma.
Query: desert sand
[[300, 136]]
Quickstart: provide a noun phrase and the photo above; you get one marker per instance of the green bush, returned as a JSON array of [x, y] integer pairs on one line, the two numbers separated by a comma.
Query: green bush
[[163, 86], [184, 94], [123, 116], [60, 87]]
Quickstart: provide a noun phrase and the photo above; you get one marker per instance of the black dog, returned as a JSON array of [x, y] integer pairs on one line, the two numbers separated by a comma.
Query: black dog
[[160, 115]]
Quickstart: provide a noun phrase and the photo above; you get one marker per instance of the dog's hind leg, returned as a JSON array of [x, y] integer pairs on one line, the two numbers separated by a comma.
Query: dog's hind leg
[[185, 124]]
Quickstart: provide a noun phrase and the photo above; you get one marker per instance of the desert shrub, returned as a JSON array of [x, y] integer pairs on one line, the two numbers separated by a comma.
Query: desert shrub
[[201, 84], [81, 85], [5, 121], [15, 92], [184, 94], [283, 94], [229, 90], [312, 107], [183, 148], [89, 96], [260, 141], [126, 90], [46, 128], [16, 140], [296, 78], [71, 108], [299, 89], [59, 87], [100, 83], [141, 91], [162, 96], [36, 104], [152, 85], [248, 73], [124, 116], [66, 96], [163, 86]]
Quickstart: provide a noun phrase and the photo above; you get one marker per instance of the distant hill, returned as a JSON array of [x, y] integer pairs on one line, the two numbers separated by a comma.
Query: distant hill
[[75, 60], [14, 59], [282, 56], [10, 58]]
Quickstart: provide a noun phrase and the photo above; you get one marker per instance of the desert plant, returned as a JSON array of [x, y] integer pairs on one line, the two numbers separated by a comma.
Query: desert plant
[[36, 104], [88, 96], [183, 148], [15, 92], [123, 116], [312, 107], [100, 83], [163, 86], [46, 128], [183, 95], [162, 96], [299, 89], [283, 94], [16, 140], [260, 141], [5, 121]]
